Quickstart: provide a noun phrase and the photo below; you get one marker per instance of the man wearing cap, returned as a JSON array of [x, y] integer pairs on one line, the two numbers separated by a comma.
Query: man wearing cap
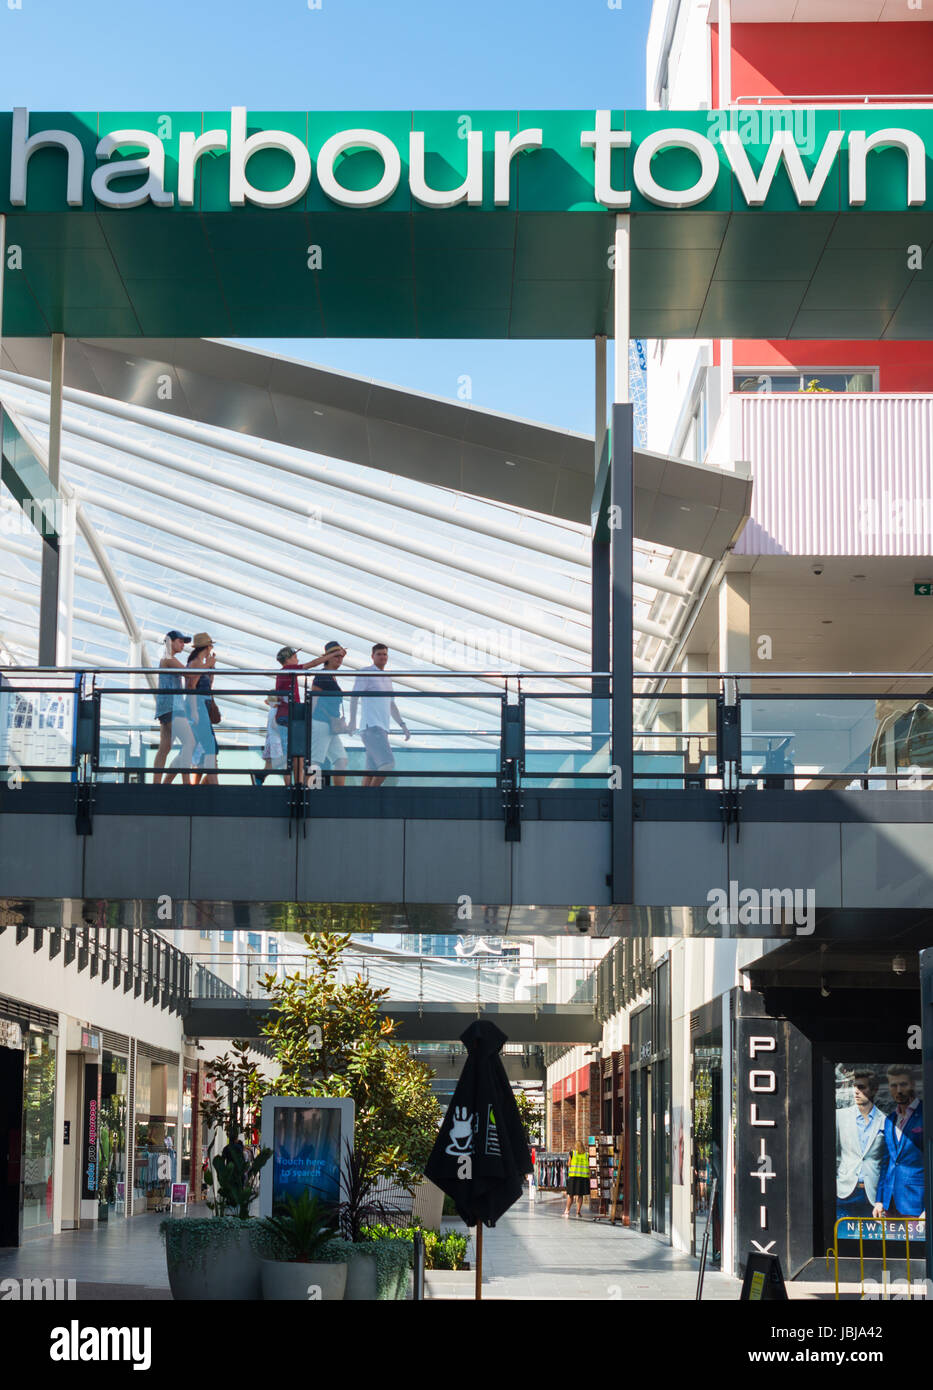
[[378, 709], [327, 721], [171, 708], [286, 687]]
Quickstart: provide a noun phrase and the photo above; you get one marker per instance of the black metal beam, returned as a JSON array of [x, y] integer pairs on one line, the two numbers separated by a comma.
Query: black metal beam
[[622, 666], [926, 1035]]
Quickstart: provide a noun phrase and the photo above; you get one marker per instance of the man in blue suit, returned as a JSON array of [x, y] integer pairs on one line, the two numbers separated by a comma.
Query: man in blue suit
[[901, 1192]]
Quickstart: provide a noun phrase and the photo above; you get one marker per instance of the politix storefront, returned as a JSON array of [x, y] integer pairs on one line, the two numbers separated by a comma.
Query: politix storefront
[[822, 1080]]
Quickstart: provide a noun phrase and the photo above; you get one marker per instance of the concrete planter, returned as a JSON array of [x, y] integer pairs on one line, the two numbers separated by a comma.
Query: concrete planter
[[226, 1271], [294, 1281], [449, 1283]]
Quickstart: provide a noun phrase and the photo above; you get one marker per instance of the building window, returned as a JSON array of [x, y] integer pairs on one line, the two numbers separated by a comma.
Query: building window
[[812, 380]]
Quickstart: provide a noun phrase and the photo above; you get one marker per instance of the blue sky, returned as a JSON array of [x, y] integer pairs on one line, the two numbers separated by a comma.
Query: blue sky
[[350, 55]]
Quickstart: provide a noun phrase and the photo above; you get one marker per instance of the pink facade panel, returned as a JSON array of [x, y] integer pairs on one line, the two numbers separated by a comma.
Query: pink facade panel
[[837, 474]]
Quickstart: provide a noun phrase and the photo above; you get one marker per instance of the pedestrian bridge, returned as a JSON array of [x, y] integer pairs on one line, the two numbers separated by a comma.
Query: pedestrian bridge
[[732, 806]]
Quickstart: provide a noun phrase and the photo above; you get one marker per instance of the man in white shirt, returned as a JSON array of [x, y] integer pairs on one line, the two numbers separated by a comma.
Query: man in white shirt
[[374, 692]]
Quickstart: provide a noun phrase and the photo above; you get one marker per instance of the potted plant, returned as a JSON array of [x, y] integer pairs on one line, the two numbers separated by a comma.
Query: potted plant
[[378, 1268], [304, 1260], [216, 1257]]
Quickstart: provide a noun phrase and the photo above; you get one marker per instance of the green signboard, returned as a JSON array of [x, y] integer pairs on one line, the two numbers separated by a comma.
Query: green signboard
[[773, 223]]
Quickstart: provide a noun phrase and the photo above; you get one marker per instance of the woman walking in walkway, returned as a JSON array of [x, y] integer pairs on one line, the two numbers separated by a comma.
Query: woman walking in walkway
[[200, 679], [172, 711], [578, 1178]]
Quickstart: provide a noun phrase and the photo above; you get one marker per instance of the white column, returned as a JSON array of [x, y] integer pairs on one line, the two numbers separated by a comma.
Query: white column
[[49, 612], [735, 647], [725, 54], [622, 306]]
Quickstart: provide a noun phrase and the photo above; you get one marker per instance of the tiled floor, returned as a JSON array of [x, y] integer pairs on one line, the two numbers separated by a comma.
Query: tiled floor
[[117, 1259], [533, 1253]]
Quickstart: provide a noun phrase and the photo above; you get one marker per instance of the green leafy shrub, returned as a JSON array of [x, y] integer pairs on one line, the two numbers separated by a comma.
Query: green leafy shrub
[[394, 1256], [305, 1227], [188, 1242], [441, 1251]]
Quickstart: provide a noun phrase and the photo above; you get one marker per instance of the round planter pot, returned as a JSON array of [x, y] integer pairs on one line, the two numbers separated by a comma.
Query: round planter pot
[[361, 1279], [228, 1270], [304, 1283]]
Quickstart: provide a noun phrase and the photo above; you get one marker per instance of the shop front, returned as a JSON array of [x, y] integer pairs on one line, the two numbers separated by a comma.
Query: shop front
[[28, 1056], [706, 1130], [112, 1125], [155, 1157], [649, 1146], [829, 1126]]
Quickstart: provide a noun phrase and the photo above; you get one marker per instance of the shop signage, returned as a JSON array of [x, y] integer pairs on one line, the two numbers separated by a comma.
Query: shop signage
[[11, 1034], [89, 1174], [67, 1138], [718, 151], [90, 1041], [761, 1177]]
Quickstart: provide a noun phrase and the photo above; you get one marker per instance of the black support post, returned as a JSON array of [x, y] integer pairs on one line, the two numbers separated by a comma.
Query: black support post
[[620, 543]]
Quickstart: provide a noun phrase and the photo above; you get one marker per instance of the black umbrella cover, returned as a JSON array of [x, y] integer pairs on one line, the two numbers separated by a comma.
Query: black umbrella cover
[[481, 1156]]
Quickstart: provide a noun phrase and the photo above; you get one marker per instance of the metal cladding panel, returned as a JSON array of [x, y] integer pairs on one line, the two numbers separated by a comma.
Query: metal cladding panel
[[51, 859], [145, 857], [357, 860], [252, 859], [837, 474]]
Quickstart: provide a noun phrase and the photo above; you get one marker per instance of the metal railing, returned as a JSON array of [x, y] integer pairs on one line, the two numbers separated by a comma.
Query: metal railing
[[790, 731], [786, 731], [82, 724], [415, 979], [138, 960], [904, 1232]]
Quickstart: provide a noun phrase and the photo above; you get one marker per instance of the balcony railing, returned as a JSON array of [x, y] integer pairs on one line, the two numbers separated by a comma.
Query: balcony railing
[[793, 731], [519, 978]]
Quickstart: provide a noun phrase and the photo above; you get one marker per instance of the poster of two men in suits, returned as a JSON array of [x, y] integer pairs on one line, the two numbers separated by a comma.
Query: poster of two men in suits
[[879, 1145]]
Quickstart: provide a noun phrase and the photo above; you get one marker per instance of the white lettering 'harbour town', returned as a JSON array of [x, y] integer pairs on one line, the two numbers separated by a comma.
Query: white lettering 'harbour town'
[[718, 153]]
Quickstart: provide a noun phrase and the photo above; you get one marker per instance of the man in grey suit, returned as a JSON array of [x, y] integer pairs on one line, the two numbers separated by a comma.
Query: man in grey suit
[[860, 1149]]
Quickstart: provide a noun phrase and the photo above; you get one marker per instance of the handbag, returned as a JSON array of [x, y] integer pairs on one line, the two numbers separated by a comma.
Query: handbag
[[213, 713]]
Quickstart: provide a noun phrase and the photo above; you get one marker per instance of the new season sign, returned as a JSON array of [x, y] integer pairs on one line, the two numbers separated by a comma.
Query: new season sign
[[565, 161]]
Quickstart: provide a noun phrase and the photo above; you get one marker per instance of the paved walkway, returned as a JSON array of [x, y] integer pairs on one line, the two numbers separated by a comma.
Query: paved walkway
[[533, 1253]]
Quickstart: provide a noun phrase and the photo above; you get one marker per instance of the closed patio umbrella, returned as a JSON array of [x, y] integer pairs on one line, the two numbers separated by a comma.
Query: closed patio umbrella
[[481, 1156]]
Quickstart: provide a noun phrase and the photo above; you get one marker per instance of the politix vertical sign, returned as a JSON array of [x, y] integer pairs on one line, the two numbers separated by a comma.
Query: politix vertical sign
[[761, 1177]]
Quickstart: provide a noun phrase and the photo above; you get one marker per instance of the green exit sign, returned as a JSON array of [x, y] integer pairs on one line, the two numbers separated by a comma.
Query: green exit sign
[[923, 589]]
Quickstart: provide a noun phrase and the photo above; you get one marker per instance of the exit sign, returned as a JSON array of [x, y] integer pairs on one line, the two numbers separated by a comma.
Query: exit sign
[[924, 589]]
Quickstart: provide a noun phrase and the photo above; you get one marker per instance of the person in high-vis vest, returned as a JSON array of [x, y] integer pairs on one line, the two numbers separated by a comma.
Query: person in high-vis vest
[[578, 1178]]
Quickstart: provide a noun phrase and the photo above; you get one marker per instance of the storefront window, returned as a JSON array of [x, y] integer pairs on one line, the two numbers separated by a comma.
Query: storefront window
[[707, 1132], [189, 1100], [112, 1133], [879, 1150], [38, 1131], [156, 1131]]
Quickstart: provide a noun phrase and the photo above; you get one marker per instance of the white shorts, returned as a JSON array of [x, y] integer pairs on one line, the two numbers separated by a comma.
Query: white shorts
[[325, 746], [274, 747]]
